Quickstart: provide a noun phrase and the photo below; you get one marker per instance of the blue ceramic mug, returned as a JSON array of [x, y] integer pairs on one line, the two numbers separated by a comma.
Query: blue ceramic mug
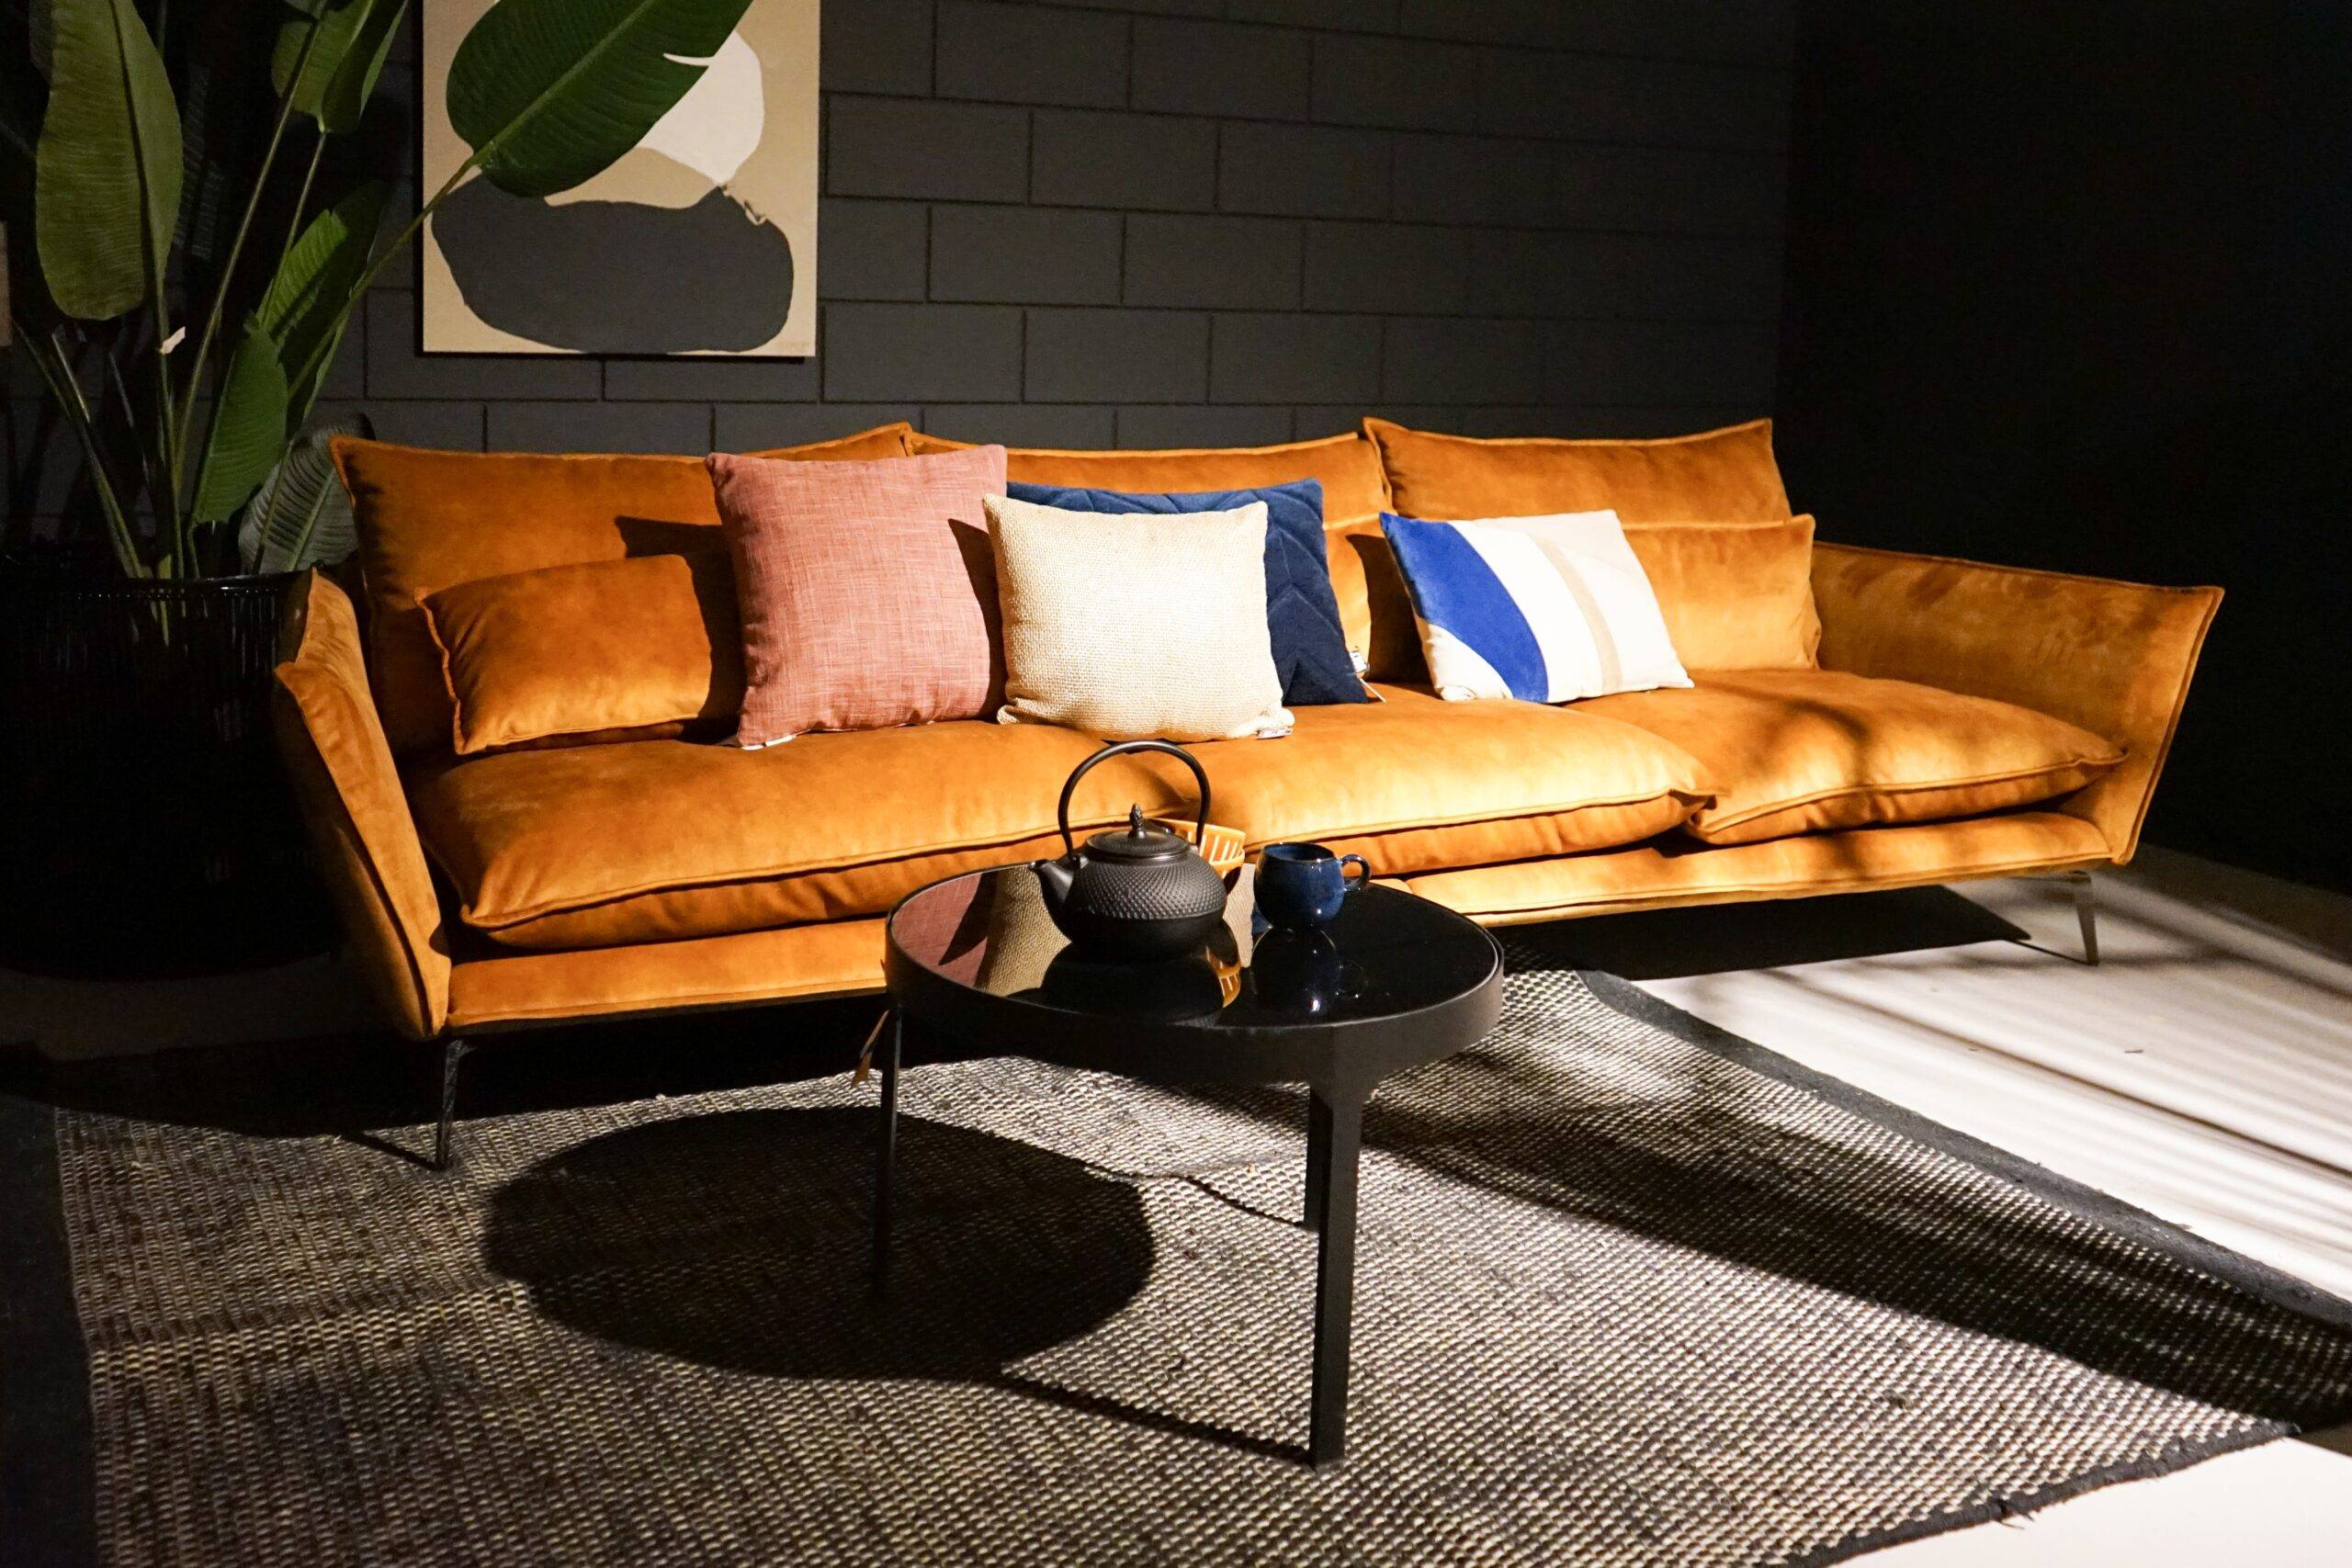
[[1301, 887]]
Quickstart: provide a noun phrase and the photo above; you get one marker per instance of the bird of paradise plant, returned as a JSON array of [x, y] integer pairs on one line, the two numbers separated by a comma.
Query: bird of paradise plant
[[190, 381]]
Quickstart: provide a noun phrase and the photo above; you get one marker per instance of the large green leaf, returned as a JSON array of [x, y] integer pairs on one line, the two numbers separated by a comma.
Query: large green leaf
[[339, 75], [307, 302], [248, 427], [551, 93], [302, 515], [107, 186]]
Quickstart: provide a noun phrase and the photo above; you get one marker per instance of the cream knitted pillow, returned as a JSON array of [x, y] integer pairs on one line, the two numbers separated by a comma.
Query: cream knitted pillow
[[1136, 627]]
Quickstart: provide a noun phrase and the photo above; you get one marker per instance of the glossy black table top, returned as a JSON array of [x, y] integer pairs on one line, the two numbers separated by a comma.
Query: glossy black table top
[[1397, 980]]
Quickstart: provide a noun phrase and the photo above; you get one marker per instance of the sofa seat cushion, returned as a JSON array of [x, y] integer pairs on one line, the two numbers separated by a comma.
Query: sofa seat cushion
[[660, 840], [656, 840], [1414, 784], [1806, 751]]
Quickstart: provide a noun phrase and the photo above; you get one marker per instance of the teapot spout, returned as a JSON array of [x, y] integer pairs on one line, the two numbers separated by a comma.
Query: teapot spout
[[1055, 879]]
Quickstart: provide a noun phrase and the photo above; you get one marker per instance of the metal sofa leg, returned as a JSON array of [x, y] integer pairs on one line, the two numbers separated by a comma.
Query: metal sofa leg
[[453, 1051], [2087, 913]]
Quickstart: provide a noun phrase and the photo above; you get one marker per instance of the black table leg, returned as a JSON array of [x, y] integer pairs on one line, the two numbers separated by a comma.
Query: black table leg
[[885, 1153], [1335, 1128], [1318, 1164]]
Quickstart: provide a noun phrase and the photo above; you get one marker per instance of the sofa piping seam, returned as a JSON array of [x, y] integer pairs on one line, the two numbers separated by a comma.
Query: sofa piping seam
[[1864, 884]]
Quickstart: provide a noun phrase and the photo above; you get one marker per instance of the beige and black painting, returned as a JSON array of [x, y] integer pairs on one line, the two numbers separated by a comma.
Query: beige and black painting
[[701, 241]]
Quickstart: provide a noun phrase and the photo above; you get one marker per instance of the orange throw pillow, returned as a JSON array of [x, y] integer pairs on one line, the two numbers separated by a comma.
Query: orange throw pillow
[[1736, 595], [634, 650], [867, 590]]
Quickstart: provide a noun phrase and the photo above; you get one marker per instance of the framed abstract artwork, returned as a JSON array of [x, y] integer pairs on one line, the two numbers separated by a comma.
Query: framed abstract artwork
[[702, 239]]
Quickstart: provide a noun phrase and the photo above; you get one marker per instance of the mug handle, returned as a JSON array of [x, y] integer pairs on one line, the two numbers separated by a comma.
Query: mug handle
[[1362, 864]]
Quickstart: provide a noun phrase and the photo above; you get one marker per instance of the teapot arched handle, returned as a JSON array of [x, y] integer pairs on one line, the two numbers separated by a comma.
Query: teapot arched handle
[[1061, 812]]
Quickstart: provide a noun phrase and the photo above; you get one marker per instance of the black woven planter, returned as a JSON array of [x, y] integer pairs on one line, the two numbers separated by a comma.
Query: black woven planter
[[149, 825]]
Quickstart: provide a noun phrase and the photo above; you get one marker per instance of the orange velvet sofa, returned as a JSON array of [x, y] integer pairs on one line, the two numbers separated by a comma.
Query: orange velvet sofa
[[1940, 721]]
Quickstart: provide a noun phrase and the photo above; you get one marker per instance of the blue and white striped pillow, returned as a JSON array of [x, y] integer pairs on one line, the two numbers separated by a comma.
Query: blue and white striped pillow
[[1544, 609]]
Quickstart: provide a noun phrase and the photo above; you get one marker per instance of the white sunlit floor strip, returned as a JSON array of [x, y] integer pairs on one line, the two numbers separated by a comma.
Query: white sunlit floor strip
[[2202, 1072]]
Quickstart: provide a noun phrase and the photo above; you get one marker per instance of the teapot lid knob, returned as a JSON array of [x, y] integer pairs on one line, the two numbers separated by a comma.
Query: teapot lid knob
[[1139, 841]]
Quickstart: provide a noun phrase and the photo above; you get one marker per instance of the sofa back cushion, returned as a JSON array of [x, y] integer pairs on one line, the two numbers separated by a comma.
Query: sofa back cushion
[[1721, 476], [867, 592], [1734, 596], [1347, 466], [701, 840], [428, 521], [641, 648]]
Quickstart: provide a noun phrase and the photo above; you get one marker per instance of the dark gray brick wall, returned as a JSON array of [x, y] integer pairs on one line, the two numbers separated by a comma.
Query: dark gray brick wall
[[1252, 73], [1207, 223], [1129, 356], [1112, 160], [1235, 263]]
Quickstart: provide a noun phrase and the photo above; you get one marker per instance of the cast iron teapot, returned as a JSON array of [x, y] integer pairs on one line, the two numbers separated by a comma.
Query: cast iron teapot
[[1136, 894]]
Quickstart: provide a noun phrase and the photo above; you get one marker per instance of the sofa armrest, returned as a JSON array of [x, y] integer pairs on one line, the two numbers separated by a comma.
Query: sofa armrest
[[2113, 657], [348, 789]]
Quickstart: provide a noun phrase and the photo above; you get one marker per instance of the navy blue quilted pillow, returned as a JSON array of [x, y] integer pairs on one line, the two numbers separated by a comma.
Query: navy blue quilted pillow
[[1302, 613]]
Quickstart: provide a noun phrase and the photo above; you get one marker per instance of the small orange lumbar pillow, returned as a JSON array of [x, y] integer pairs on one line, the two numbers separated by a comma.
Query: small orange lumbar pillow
[[641, 648], [1736, 595]]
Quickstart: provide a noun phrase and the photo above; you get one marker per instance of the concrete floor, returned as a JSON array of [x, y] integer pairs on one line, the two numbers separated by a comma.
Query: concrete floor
[[2204, 1072]]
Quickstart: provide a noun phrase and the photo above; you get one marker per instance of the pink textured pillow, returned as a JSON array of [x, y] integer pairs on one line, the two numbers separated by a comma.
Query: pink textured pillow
[[868, 589]]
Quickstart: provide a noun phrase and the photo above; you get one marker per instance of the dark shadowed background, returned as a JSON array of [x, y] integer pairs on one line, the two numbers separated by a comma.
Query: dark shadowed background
[[2068, 286]]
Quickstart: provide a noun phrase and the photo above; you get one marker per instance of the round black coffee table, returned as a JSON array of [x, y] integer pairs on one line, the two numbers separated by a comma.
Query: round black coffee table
[[1396, 982]]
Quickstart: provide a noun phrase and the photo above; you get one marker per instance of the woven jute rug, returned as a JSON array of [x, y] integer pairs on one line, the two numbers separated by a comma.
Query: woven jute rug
[[1630, 1290]]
